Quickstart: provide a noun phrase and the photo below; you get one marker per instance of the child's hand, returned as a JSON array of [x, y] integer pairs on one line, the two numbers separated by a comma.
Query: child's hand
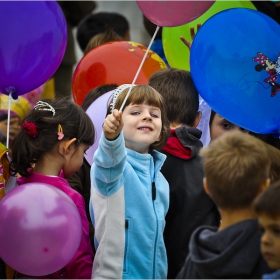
[[113, 125], [185, 41]]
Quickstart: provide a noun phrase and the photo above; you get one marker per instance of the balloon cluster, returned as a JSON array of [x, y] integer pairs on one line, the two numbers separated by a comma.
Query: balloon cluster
[[37, 236]]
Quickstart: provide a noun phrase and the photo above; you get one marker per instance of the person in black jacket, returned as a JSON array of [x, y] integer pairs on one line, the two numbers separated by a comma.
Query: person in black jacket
[[190, 207]]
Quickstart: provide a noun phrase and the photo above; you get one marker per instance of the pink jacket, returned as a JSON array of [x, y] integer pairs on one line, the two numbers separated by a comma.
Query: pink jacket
[[80, 267]]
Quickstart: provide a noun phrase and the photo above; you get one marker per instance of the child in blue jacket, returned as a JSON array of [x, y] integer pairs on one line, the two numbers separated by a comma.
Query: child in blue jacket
[[129, 195]]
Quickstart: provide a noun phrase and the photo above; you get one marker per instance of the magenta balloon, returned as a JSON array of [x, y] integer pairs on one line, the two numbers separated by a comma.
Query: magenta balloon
[[173, 13], [97, 113], [32, 45], [41, 229]]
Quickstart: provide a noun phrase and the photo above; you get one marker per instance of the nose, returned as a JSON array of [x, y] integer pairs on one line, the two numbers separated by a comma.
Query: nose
[[265, 239], [147, 116]]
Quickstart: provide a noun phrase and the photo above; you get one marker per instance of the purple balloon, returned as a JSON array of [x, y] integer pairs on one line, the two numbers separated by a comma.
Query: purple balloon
[[33, 43], [41, 229], [97, 113]]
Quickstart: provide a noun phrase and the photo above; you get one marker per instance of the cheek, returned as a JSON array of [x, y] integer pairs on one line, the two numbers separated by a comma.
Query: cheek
[[216, 131]]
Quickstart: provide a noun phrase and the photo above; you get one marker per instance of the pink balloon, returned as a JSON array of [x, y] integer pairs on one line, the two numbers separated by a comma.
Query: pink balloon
[[97, 113], [173, 13], [40, 229]]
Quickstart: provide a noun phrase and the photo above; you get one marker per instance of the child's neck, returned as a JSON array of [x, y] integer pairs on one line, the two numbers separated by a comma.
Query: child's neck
[[230, 217], [48, 168]]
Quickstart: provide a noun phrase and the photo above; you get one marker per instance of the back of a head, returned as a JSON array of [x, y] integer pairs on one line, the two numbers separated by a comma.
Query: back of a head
[[108, 36], [94, 24], [179, 92], [267, 203], [39, 133], [235, 165], [96, 93]]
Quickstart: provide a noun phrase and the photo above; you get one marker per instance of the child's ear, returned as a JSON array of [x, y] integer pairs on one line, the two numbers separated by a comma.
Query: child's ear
[[197, 119], [66, 146], [205, 186], [264, 185]]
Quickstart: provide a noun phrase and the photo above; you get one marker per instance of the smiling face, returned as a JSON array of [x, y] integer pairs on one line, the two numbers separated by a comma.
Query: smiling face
[[142, 126], [270, 241]]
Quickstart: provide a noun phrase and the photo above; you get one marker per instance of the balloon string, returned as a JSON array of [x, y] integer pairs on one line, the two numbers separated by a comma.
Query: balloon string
[[8, 121], [140, 67]]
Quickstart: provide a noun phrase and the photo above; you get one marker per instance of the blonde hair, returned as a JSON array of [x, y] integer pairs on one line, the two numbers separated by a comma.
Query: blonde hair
[[145, 94], [235, 165]]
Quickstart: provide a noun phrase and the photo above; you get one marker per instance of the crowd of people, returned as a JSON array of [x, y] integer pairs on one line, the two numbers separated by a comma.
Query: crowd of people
[[157, 202]]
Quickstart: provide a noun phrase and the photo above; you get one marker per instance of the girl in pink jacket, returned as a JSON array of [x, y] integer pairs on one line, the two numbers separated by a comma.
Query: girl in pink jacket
[[50, 147]]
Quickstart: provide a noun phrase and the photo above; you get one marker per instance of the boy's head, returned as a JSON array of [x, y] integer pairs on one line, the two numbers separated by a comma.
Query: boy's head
[[180, 95], [267, 208], [236, 167], [94, 24]]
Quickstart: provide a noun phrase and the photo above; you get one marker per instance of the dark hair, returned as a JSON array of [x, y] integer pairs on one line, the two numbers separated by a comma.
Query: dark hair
[[267, 203], [143, 93], [179, 92], [270, 139], [94, 24], [95, 93], [27, 150], [151, 28]]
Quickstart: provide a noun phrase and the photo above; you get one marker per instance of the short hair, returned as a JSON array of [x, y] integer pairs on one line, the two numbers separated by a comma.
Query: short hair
[[96, 93], [267, 203], [179, 92], [108, 36], [27, 150], [235, 166], [96, 23], [143, 93]]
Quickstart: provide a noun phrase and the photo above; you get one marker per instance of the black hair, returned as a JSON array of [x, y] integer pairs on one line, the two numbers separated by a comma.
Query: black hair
[[28, 149], [96, 93], [94, 24]]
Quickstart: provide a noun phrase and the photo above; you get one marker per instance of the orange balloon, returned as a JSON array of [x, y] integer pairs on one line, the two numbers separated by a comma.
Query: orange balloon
[[113, 63]]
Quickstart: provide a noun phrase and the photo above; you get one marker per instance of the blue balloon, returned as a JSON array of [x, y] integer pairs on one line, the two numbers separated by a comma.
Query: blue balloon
[[235, 65]]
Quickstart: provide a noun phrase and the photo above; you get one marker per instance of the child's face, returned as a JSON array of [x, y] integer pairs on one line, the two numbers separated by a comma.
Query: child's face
[[142, 126], [219, 126], [270, 241]]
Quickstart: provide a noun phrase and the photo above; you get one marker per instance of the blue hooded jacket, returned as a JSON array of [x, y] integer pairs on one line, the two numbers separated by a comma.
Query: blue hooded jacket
[[129, 201]]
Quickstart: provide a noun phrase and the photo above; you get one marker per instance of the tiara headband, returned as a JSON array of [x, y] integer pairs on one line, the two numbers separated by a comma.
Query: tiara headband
[[44, 106], [117, 93]]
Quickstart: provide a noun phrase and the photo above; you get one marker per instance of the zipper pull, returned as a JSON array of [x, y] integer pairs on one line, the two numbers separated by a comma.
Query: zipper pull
[[154, 191]]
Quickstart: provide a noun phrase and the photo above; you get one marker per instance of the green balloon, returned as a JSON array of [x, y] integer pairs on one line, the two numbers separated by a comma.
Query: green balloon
[[176, 52]]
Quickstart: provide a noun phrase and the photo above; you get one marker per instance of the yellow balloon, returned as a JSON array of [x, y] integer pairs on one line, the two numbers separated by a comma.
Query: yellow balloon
[[176, 52]]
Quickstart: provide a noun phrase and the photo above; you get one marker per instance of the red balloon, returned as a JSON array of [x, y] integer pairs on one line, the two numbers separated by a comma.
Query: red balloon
[[114, 62]]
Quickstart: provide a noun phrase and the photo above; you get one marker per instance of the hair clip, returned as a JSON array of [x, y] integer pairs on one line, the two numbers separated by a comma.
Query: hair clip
[[117, 93], [60, 133], [30, 128], [44, 106]]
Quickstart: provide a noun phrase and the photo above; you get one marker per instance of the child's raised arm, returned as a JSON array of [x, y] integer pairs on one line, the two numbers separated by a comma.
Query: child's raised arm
[[113, 125]]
